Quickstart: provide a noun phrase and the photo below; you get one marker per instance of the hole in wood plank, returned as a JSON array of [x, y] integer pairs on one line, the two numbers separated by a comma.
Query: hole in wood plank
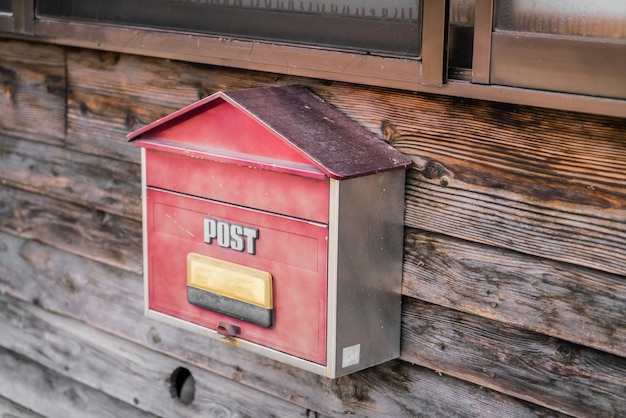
[[182, 385]]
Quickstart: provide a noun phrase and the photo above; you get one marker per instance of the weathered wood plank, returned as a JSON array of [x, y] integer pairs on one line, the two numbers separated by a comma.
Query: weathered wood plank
[[92, 233], [33, 90], [96, 182], [570, 378], [53, 395], [123, 370], [165, 83], [112, 299], [537, 181], [580, 305], [114, 94], [10, 409], [583, 236]]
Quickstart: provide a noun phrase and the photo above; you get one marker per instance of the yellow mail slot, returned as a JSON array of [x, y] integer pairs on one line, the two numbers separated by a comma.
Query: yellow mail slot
[[239, 291]]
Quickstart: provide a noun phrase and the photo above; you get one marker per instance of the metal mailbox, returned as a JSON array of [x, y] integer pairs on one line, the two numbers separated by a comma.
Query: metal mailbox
[[275, 223]]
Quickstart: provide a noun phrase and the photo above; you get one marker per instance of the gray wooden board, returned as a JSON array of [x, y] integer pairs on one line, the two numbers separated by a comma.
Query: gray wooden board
[[567, 377], [9, 409], [581, 305], [100, 183], [121, 369], [434, 265], [33, 89], [71, 227], [51, 394]]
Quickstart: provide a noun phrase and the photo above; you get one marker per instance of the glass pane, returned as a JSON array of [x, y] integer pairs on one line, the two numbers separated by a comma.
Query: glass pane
[[461, 34], [369, 25], [602, 19], [6, 6]]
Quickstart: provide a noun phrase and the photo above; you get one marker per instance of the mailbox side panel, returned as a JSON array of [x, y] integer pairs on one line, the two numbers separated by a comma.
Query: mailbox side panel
[[368, 223]]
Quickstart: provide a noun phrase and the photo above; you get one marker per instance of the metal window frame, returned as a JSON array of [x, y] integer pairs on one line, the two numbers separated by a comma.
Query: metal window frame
[[6, 22], [557, 63], [483, 26], [425, 75]]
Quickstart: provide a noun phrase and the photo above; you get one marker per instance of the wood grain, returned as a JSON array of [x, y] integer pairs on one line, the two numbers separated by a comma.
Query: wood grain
[[113, 94], [112, 300], [33, 90], [567, 377], [583, 236], [92, 233], [123, 370], [580, 305], [52, 394], [98, 183], [9, 409], [541, 182]]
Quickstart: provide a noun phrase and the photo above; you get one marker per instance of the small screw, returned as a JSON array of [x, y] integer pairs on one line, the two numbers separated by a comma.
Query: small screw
[[444, 181]]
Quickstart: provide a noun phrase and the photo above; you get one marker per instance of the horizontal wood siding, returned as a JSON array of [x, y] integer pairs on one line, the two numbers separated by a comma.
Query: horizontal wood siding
[[514, 274], [564, 301]]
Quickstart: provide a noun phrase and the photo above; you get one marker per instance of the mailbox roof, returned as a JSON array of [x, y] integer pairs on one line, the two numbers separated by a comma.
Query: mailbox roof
[[332, 142]]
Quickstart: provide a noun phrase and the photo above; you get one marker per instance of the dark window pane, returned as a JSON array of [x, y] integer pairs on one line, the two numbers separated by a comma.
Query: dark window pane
[[461, 33], [392, 27], [6, 5]]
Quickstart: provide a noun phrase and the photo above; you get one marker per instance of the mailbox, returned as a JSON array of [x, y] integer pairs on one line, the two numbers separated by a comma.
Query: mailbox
[[275, 223]]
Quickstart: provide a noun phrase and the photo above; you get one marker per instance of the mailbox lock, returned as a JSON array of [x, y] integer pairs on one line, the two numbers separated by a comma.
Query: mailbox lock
[[228, 330]]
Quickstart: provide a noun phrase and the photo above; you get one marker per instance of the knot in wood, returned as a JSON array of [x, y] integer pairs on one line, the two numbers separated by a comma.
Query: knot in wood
[[108, 58], [433, 170], [131, 119], [389, 131], [564, 350], [55, 84]]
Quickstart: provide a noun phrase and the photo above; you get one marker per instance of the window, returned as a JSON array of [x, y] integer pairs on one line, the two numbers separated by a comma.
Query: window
[[515, 51], [6, 6], [371, 26], [606, 19], [575, 46], [461, 37]]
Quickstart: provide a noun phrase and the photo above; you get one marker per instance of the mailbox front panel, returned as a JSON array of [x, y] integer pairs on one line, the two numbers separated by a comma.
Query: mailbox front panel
[[186, 232]]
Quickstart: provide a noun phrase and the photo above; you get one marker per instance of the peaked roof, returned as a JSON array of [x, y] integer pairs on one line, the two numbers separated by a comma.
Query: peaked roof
[[332, 142]]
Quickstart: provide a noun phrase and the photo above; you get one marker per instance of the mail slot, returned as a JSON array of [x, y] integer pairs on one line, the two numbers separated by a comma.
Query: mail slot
[[274, 223]]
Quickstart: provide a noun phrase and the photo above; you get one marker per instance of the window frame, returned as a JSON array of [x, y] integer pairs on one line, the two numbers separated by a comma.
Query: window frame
[[410, 74], [546, 61], [357, 29]]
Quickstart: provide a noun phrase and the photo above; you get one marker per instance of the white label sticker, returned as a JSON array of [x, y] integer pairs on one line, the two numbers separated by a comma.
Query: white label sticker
[[351, 355]]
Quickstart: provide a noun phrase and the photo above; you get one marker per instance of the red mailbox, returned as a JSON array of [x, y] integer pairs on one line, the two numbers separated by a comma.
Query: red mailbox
[[274, 222]]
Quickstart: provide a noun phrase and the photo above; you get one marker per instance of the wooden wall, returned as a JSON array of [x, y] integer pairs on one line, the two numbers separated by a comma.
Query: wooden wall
[[515, 254]]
